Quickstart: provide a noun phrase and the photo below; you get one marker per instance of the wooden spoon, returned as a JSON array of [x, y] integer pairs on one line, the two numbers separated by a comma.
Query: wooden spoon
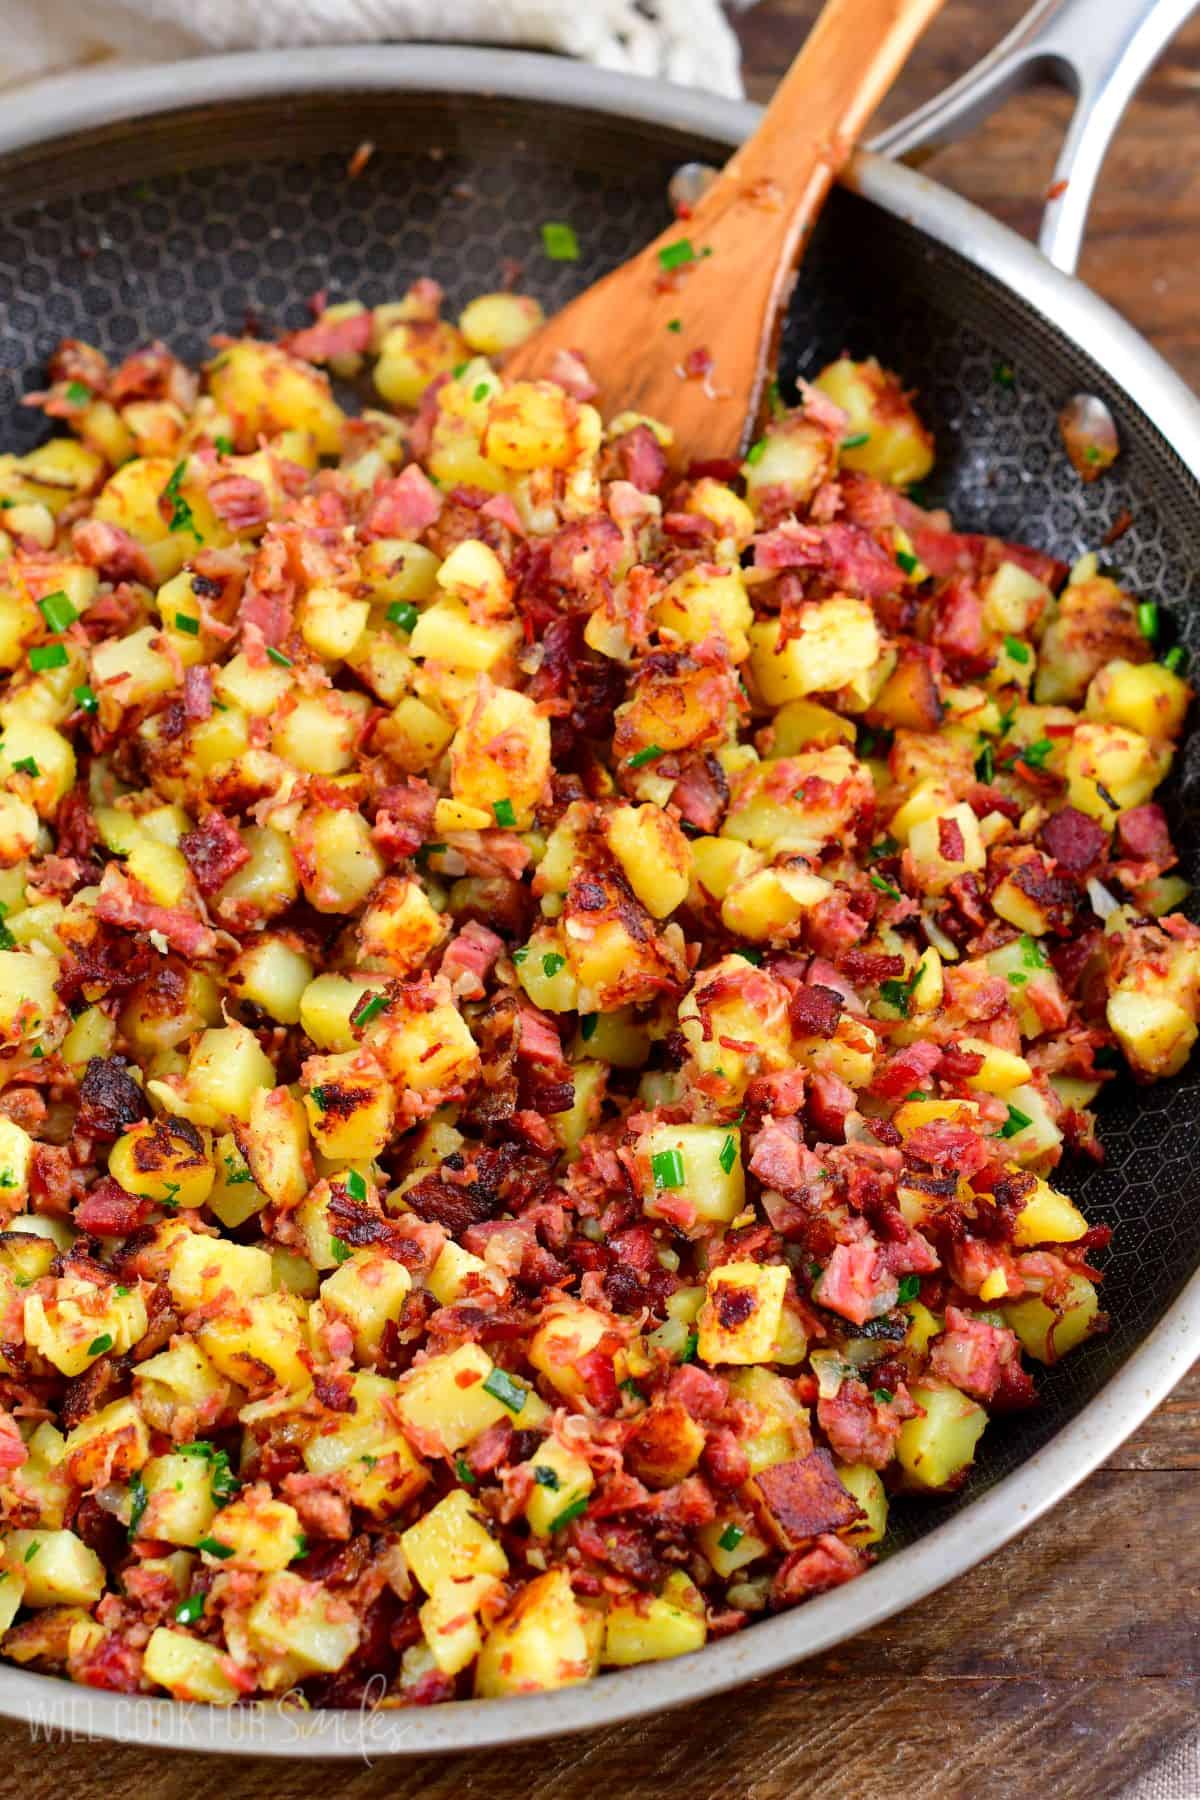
[[713, 286]]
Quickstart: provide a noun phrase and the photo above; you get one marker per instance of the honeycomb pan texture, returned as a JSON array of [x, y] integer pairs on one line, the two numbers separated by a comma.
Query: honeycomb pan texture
[[199, 222]]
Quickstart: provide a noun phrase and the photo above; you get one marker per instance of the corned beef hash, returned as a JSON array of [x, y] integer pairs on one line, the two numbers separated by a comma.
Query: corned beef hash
[[542, 998]]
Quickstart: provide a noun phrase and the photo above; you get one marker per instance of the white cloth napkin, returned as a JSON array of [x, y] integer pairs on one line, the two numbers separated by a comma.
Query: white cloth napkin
[[687, 41]]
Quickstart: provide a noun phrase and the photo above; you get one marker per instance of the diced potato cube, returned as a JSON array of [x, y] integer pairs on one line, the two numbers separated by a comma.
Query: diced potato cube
[[546, 1640], [862, 1482], [264, 391], [272, 974], [179, 1504], [274, 1141], [446, 633], [644, 1629], [449, 1399], [705, 602], [326, 1006], [301, 1623], [57, 1567], [1146, 697], [562, 1477], [945, 847], [162, 1160], [111, 1444], [1002, 1070], [400, 928], [1047, 1332], [204, 1268], [367, 1291], [692, 1169], [1154, 1031], [451, 1542], [337, 858], [350, 1105], [78, 1321], [425, 1050], [1124, 764], [884, 437], [837, 642], [189, 1668], [225, 1070], [567, 1332], [743, 1312], [531, 426], [766, 903], [494, 323], [259, 1531], [331, 622], [500, 757], [450, 1275], [376, 1467], [1048, 1217], [939, 1445], [654, 855], [261, 1343]]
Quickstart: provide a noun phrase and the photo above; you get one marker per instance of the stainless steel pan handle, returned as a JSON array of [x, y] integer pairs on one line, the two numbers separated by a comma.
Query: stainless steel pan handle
[[1099, 50]]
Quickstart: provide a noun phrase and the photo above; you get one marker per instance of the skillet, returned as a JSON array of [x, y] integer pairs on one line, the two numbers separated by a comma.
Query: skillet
[[176, 202]]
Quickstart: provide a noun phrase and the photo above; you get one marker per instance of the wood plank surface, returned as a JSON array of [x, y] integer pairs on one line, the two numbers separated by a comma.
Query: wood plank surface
[[1066, 1663]]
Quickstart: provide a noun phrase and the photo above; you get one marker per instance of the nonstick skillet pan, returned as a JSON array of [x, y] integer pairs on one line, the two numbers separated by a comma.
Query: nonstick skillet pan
[[179, 202]]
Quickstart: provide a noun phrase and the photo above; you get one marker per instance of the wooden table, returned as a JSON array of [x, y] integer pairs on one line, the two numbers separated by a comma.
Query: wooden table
[[1068, 1661]]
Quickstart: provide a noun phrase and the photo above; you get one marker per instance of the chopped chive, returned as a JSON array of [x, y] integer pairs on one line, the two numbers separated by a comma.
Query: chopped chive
[[33, 1550], [640, 758], [402, 613], [885, 887], [185, 622], [1002, 375], [856, 441], [908, 562], [181, 513], [673, 256], [667, 1167], [363, 1014], [630, 1387], [1175, 658], [690, 1346], [675, 325], [1034, 755], [26, 765], [47, 656], [501, 1386], [730, 1538], [587, 1025], [728, 1154], [569, 1512], [190, 1610], [341, 1250], [78, 393], [214, 1547], [757, 451], [545, 1477], [480, 391], [57, 611], [985, 764], [301, 1547], [552, 962], [521, 955], [1147, 616], [223, 445], [502, 811], [277, 656], [356, 1187], [1016, 979], [884, 846], [1015, 1122], [1032, 954], [463, 1470], [916, 1094], [750, 955], [899, 993], [909, 1288], [100, 1344], [1016, 649], [559, 241], [883, 1395], [85, 699]]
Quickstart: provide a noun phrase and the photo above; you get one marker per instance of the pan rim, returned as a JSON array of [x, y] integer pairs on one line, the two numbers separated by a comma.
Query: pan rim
[[48, 1705]]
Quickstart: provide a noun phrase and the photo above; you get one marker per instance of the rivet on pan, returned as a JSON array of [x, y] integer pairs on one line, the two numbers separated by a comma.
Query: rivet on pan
[[687, 184], [1089, 432]]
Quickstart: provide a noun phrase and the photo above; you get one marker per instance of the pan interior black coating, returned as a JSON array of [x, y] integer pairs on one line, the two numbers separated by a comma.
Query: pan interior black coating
[[197, 222]]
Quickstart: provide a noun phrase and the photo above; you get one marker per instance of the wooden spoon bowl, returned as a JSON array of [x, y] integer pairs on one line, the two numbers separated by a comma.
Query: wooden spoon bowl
[[685, 332]]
